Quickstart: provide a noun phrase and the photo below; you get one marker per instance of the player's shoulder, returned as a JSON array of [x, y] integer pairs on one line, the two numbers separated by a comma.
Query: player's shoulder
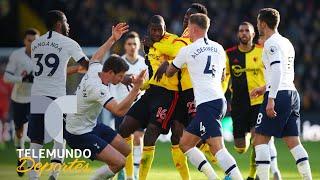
[[168, 37], [18, 51], [232, 49], [217, 45]]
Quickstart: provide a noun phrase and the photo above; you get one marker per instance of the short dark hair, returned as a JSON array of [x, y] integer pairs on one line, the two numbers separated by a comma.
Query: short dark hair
[[116, 64], [270, 16], [53, 17], [131, 34], [156, 19], [31, 31], [199, 8], [200, 20]]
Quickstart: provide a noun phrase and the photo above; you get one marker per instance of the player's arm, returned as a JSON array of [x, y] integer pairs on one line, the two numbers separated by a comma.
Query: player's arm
[[275, 60], [177, 63], [170, 48], [11, 77], [121, 108], [225, 82], [77, 53]]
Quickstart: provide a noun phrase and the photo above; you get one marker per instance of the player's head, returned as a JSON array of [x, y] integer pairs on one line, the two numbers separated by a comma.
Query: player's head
[[194, 8], [246, 33], [57, 21], [156, 28], [198, 26], [114, 69], [268, 18], [132, 43], [30, 35]]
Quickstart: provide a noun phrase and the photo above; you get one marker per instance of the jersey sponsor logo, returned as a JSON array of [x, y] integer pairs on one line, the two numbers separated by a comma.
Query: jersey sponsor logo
[[237, 70], [161, 114]]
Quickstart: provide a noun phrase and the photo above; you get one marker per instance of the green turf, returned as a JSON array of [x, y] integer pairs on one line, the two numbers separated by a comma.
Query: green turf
[[163, 167]]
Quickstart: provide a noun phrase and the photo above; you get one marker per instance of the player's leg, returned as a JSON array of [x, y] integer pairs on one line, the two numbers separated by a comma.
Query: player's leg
[[20, 113], [240, 119], [274, 164], [135, 119], [36, 135], [291, 138], [179, 159], [151, 135], [188, 143], [137, 150]]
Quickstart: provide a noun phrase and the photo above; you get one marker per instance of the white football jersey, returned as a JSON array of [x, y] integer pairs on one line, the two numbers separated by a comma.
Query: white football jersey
[[50, 54], [19, 63], [205, 61], [278, 49], [92, 95], [120, 91]]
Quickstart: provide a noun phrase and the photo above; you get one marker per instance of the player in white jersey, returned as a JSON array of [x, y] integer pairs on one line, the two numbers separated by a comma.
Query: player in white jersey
[[19, 72], [51, 53], [279, 114], [120, 91], [93, 94], [205, 60]]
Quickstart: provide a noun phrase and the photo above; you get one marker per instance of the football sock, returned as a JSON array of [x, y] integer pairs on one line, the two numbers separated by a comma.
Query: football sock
[[263, 161], [273, 154], [146, 161], [302, 162], [137, 151], [205, 149], [56, 159], [180, 161], [33, 174], [19, 144], [103, 172], [197, 158], [228, 164], [253, 167], [129, 160]]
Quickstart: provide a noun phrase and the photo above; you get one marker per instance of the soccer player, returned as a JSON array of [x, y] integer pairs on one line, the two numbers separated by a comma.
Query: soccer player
[[205, 60], [154, 109], [50, 54], [19, 72], [185, 109], [245, 68], [93, 94], [279, 113], [120, 91]]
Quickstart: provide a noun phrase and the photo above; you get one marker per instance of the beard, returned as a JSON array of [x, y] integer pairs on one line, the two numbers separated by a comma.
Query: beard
[[243, 41], [65, 31]]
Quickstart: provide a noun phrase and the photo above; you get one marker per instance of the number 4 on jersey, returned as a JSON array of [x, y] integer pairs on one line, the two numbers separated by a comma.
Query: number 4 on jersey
[[209, 69]]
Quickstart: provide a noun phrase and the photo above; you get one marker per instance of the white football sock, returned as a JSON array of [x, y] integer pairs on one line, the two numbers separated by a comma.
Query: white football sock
[[228, 164], [301, 157], [59, 158], [273, 156], [103, 172], [263, 161], [137, 151], [196, 158], [34, 147]]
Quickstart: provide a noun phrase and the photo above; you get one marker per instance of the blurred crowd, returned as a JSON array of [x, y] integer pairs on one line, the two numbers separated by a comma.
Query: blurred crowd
[[90, 21]]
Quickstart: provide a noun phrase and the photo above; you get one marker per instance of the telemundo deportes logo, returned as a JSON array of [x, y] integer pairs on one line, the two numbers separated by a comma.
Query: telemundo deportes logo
[[53, 110]]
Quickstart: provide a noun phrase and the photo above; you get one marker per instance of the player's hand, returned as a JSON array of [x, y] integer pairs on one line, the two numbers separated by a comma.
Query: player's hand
[[28, 78], [161, 70], [127, 81], [257, 92], [119, 30], [271, 113], [137, 81]]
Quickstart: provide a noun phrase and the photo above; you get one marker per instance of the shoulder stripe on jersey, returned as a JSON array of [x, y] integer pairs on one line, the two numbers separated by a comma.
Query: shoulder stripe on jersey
[[175, 66], [180, 40], [107, 101], [274, 62], [50, 34], [10, 73], [232, 49], [205, 41]]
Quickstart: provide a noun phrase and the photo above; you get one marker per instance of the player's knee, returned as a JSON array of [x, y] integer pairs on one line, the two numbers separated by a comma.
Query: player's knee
[[127, 127], [184, 145], [118, 165]]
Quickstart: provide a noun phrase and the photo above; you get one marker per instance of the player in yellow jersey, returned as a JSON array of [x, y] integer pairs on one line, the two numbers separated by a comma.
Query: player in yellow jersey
[[185, 109], [245, 69], [154, 109]]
